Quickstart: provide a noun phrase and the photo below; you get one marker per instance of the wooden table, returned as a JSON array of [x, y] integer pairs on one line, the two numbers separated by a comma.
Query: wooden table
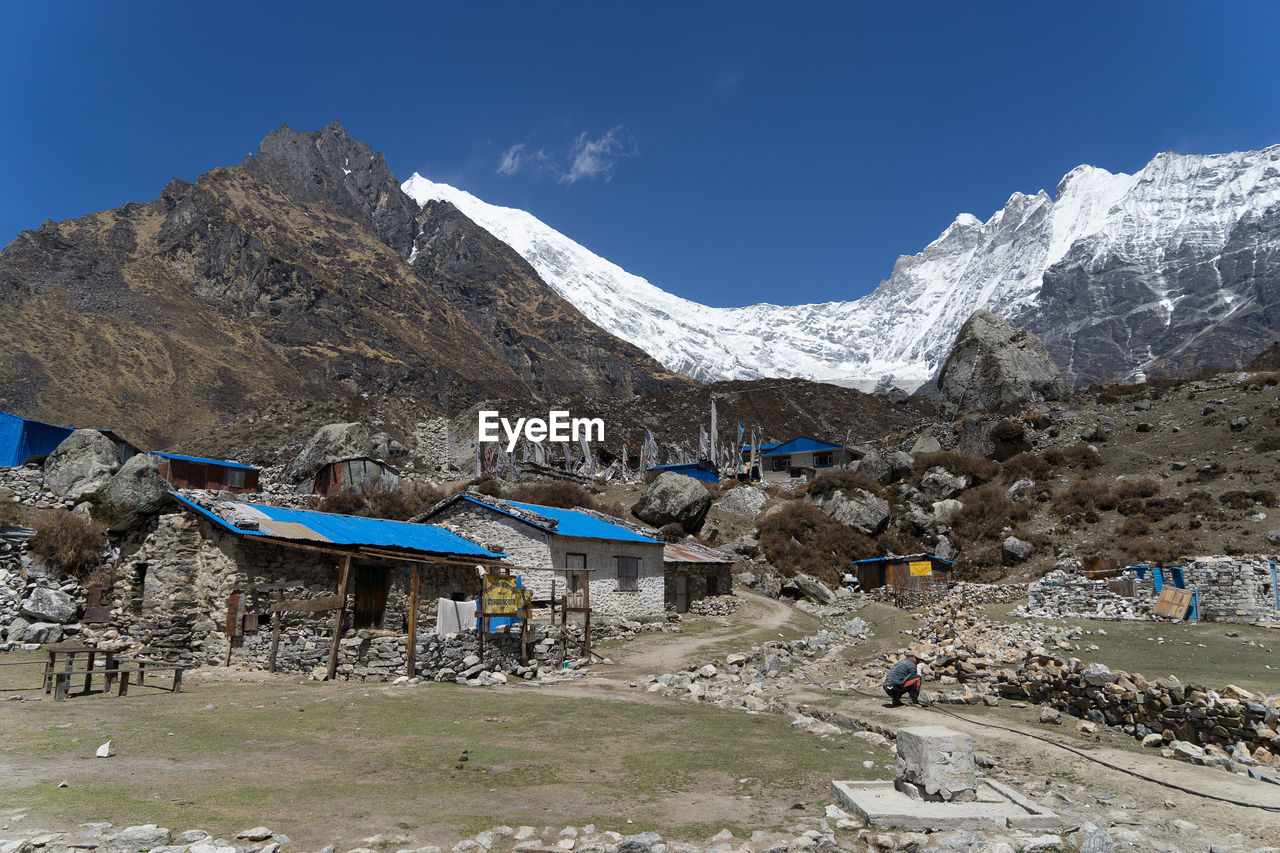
[[69, 654]]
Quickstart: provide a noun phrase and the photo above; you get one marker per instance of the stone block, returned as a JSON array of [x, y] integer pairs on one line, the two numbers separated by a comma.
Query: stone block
[[937, 763]]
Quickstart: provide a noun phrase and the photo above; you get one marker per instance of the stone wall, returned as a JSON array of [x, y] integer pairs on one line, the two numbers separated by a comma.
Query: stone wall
[[1233, 589], [719, 574]]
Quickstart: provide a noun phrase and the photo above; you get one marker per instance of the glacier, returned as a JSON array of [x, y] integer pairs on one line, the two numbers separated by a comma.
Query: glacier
[[1098, 230]]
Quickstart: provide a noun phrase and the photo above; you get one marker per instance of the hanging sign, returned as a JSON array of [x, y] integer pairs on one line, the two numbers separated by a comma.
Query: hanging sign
[[501, 596], [920, 568]]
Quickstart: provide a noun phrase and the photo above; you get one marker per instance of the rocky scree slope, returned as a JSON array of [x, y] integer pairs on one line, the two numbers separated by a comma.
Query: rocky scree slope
[[1162, 271]]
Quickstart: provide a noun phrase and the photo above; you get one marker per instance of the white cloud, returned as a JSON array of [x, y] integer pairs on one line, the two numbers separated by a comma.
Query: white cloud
[[512, 160], [596, 158]]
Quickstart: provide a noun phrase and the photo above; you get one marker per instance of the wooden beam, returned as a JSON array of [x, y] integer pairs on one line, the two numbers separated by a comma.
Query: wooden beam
[[413, 621], [276, 619], [343, 585]]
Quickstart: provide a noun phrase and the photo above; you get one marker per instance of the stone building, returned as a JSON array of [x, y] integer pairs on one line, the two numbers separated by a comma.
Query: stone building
[[626, 566], [197, 580], [692, 572], [1235, 589]]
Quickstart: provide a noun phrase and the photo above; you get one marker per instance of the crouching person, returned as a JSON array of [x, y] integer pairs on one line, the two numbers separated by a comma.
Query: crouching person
[[904, 678]]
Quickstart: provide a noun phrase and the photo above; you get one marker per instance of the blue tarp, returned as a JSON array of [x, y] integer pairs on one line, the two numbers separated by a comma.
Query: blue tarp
[[800, 444], [21, 438], [697, 470]]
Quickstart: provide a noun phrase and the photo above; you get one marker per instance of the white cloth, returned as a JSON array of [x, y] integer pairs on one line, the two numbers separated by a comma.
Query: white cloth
[[454, 617]]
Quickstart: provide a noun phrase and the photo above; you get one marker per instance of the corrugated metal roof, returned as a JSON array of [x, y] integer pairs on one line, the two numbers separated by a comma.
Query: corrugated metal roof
[[222, 463], [273, 522], [577, 524], [687, 552], [800, 444]]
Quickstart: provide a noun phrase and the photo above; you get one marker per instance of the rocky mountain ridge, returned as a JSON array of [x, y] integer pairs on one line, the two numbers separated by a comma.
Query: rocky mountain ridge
[[1158, 272]]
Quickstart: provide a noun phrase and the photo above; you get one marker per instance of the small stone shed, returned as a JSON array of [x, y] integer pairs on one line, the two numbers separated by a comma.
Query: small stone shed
[[627, 577], [1235, 589], [358, 472], [692, 572], [192, 472], [207, 581]]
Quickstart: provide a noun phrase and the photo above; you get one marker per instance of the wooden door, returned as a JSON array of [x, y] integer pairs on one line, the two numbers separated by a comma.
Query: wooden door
[[372, 583], [682, 592]]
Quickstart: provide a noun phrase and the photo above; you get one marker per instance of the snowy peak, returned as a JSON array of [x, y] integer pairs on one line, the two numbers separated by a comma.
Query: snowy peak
[[1104, 246]]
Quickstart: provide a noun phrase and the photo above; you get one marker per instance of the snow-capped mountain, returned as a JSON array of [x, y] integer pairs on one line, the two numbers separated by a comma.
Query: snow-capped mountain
[[1176, 265]]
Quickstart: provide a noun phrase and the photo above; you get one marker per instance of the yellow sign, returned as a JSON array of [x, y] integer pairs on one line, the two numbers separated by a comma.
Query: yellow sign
[[501, 597], [920, 568]]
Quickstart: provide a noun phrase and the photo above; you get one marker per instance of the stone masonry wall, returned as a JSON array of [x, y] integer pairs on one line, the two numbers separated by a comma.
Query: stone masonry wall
[[698, 575], [1233, 588]]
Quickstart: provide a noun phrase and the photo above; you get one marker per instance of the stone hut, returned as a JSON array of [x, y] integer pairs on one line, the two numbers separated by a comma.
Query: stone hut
[[1235, 589], [626, 566], [692, 572], [201, 582]]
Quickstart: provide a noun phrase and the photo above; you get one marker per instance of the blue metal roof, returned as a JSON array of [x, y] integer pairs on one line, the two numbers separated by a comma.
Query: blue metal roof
[[906, 558], [572, 523], [221, 463], [325, 527], [800, 444]]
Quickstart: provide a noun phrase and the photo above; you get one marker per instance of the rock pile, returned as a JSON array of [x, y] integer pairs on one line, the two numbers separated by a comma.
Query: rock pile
[[1066, 595], [716, 605]]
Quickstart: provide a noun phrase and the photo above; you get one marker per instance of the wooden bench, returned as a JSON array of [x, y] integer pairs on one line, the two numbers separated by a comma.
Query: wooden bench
[[143, 666]]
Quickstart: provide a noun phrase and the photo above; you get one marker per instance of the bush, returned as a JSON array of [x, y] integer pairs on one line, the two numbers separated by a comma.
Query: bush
[[1026, 466], [561, 495], [68, 542], [398, 504], [977, 470], [672, 532], [1144, 488], [345, 502], [1135, 526], [842, 480], [800, 538], [1075, 456], [1152, 550], [986, 513], [1083, 495]]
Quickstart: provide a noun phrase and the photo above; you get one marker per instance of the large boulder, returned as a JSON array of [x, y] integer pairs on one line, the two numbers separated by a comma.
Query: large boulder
[[810, 588], [330, 443], [137, 484], [81, 465], [42, 633], [992, 439], [49, 605], [993, 365], [858, 508], [674, 498], [744, 500]]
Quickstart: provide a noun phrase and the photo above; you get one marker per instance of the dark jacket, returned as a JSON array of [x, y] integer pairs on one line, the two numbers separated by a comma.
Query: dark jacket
[[902, 672]]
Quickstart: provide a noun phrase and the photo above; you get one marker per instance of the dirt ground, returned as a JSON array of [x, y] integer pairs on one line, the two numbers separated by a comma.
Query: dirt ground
[[334, 763]]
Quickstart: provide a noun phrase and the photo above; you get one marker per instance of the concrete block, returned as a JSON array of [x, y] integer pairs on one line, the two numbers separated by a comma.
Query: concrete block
[[935, 763]]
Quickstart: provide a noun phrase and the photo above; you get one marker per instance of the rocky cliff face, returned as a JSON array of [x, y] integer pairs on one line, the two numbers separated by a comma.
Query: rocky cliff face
[[286, 277]]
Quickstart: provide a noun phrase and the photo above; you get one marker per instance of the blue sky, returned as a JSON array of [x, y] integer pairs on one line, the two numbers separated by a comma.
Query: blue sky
[[729, 152]]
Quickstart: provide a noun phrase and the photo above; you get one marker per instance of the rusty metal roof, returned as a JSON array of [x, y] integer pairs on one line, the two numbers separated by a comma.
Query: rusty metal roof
[[688, 552]]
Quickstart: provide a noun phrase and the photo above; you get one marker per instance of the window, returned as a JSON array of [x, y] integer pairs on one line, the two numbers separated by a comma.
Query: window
[[628, 574], [822, 460], [235, 478], [781, 463]]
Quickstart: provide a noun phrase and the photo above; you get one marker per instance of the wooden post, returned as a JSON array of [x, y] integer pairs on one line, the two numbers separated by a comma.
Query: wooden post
[[586, 616], [411, 652], [343, 584], [276, 618]]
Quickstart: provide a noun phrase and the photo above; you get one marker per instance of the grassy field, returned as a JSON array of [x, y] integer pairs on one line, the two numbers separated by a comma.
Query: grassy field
[[324, 762], [1192, 651]]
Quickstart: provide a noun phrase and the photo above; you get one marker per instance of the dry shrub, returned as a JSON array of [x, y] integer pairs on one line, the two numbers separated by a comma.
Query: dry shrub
[[562, 495], [487, 485], [977, 470], [1083, 495], [345, 502], [672, 532], [1198, 500], [1267, 443], [898, 540], [398, 504], [1262, 380], [1075, 456], [1209, 473], [800, 538], [1156, 387], [1144, 488], [1152, 550], [842, 480], [982, 562], [68, 541], [1237, 499], [1026, 466], [987, 511], [1135, 526]]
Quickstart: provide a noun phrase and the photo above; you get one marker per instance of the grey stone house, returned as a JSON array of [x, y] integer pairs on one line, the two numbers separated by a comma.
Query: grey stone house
[[693, 572], [626, 565]]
